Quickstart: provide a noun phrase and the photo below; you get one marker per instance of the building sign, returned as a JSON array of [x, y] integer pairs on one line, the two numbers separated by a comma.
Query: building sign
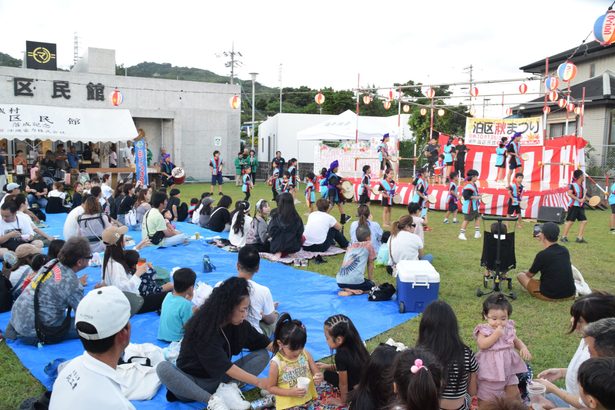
[[41, 56], [489, 132], [141, 161], [217, 141], [25, 87]]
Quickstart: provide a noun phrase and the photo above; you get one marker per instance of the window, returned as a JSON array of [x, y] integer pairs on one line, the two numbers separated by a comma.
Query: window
[[592, 70], [559, 129]]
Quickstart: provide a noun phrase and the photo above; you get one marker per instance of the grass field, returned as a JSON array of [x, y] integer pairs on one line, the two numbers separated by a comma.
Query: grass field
[[542, 326]]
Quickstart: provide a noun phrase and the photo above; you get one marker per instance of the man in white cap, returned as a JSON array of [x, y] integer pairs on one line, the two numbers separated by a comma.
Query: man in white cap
[[11, 189], [90, 381]]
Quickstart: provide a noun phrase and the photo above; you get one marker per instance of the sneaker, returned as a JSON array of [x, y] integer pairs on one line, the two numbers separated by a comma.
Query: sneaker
[[564, 239], [220, 193], [232, 396], [580, 240], [612, 231], [346, 219], [455, 221], [445, 221], [477, 235], [216, 403], [462, 236]]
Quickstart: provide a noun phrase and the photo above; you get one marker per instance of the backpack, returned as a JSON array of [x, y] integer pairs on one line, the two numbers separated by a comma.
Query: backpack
[[6, 297], [91, 227], [381, 293]]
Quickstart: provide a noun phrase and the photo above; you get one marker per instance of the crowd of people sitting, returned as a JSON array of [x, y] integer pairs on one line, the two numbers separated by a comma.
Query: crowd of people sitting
[[440, 372]]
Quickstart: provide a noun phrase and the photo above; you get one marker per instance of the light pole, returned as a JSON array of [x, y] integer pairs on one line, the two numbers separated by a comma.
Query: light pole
[[253, 75]]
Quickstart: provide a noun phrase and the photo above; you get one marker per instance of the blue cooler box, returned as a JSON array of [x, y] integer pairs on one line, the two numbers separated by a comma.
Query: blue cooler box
[[418, 284]]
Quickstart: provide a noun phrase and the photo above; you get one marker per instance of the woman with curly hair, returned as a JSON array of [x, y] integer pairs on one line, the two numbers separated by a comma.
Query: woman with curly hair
[[217, 332]]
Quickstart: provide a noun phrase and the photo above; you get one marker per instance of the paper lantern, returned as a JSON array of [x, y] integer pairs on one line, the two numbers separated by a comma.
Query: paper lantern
[[567, 71], [523, 88], [552, 83], [553, 95], [235, 102], [562, 102], [571, 107], [546, 109], [604, 28], [406, 108], [441, 112], [367, 99], [509, 111], [430, 93], [116, 97], [391, 95], [319, 98], [386, 104], [578, 110], [474, 92], [423, 111]]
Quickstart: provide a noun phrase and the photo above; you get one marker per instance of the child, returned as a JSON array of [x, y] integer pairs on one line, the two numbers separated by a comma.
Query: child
[[292, 170], [247, 184], [365, 219], [387, 189], [597, 381], [240, 222], [194, 202], [469, 206], [310, 195], [449, 156], [334, 186], [177, 306], [77, 194], [257, 232], [148, 285], [273, 182], [54, 248], [350, 278], [365, 185], [291, 361], [87, 186], [419, 194], [500, 160], [415, 213], [576, 202], [215, 165], [497, 358], [283, 184], [515, 192], [383, 155], [322, 183], [513, 152], [417, 378], [350, 356], [453, 197], [383, 252], [439, 169], [612, 204], [376, 386]]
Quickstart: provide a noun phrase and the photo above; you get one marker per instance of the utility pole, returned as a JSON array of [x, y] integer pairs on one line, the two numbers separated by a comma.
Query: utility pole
[[280, 78], [253, 75], [470, 70], [233, 60]]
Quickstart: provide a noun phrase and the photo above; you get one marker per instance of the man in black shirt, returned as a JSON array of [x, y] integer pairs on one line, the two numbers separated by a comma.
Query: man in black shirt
[[431, 153], [278, 162], [553, 263]]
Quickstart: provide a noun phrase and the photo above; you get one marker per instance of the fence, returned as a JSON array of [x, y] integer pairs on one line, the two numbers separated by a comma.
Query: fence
[[600, 160]]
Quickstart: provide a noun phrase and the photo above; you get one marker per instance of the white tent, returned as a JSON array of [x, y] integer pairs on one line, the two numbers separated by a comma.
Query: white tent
[[343, 127], [20, 121]]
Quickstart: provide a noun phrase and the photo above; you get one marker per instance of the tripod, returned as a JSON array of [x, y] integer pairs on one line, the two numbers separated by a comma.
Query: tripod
[[498, 272]]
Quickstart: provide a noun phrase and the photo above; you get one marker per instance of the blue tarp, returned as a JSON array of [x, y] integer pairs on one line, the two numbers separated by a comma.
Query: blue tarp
[[307, 296]]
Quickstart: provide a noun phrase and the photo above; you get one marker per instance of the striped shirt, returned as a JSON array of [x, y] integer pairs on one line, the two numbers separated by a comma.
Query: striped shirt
[[455, 386]]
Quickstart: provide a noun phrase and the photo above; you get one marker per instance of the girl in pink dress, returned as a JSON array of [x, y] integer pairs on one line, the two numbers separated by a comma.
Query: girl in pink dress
[[497, 358]]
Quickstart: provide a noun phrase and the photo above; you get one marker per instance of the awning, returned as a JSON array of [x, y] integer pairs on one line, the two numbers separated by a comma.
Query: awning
[[45, 122]]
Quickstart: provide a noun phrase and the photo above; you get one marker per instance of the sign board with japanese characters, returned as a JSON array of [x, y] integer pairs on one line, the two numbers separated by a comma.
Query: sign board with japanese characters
[[489, 132], [19, 121]]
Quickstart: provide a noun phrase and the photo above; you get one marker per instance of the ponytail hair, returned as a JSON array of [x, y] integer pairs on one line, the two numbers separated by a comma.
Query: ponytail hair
[[341, 326], [241, 208], [419, 174], [289, 332], [418, 377], [363, 213], [401, 224]]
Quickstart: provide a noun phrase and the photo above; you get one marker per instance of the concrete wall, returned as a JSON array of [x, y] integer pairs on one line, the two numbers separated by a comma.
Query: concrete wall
[[185, 116]]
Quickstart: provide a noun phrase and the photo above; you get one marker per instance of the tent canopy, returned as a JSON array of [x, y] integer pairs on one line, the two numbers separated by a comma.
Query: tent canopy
[[19, 121], [344, 126]]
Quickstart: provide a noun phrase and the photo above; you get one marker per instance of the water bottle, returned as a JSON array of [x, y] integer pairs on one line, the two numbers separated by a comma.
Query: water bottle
[[263, 403]]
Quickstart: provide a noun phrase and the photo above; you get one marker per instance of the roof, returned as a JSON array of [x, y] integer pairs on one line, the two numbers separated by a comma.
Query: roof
[[599, 90], [587, 52]]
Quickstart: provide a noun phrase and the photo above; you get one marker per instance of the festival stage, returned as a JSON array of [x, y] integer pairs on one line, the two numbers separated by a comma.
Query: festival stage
[[538, 194]]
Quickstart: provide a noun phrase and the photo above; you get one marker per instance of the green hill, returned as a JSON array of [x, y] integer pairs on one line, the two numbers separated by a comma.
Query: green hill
[[8, 61]]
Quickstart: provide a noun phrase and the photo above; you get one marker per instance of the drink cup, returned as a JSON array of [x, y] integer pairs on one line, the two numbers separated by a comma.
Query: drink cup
[[536, 394], [303, 383]]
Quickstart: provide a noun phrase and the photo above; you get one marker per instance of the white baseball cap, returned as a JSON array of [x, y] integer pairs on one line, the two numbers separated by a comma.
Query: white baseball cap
[[107, 309]]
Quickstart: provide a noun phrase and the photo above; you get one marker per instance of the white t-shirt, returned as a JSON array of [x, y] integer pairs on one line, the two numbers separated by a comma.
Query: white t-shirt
[[55, 193], [317, 227], [113, 158], [237, 239], [405, 247], [581, 355], [107, 191], [115, 275], [18, 273], [71, 227], [21, 222], [86, 383], [261, 302]]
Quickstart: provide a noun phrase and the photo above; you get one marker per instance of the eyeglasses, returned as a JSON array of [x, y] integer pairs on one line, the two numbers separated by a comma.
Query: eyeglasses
[[88, 257]]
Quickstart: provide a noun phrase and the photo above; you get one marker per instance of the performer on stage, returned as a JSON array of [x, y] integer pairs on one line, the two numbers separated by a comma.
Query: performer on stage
[[166, 169], [387, 188], [365, 185], [310, 193], [576, 203], [449, 156], [383, 154], [453, 197], [469, 206], [334, 186], [420, 192], [322, 183], [246, 182], [460, 158], [431, 153], [500, 160], [515, 192], [439, 170], [612, 204], [514, 154]]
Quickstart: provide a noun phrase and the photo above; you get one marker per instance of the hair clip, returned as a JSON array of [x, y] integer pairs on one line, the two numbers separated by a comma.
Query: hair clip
[[418, 365]]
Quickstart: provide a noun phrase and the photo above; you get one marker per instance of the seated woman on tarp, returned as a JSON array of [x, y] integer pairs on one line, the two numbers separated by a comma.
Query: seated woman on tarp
[[92, 223], [286, 227]]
